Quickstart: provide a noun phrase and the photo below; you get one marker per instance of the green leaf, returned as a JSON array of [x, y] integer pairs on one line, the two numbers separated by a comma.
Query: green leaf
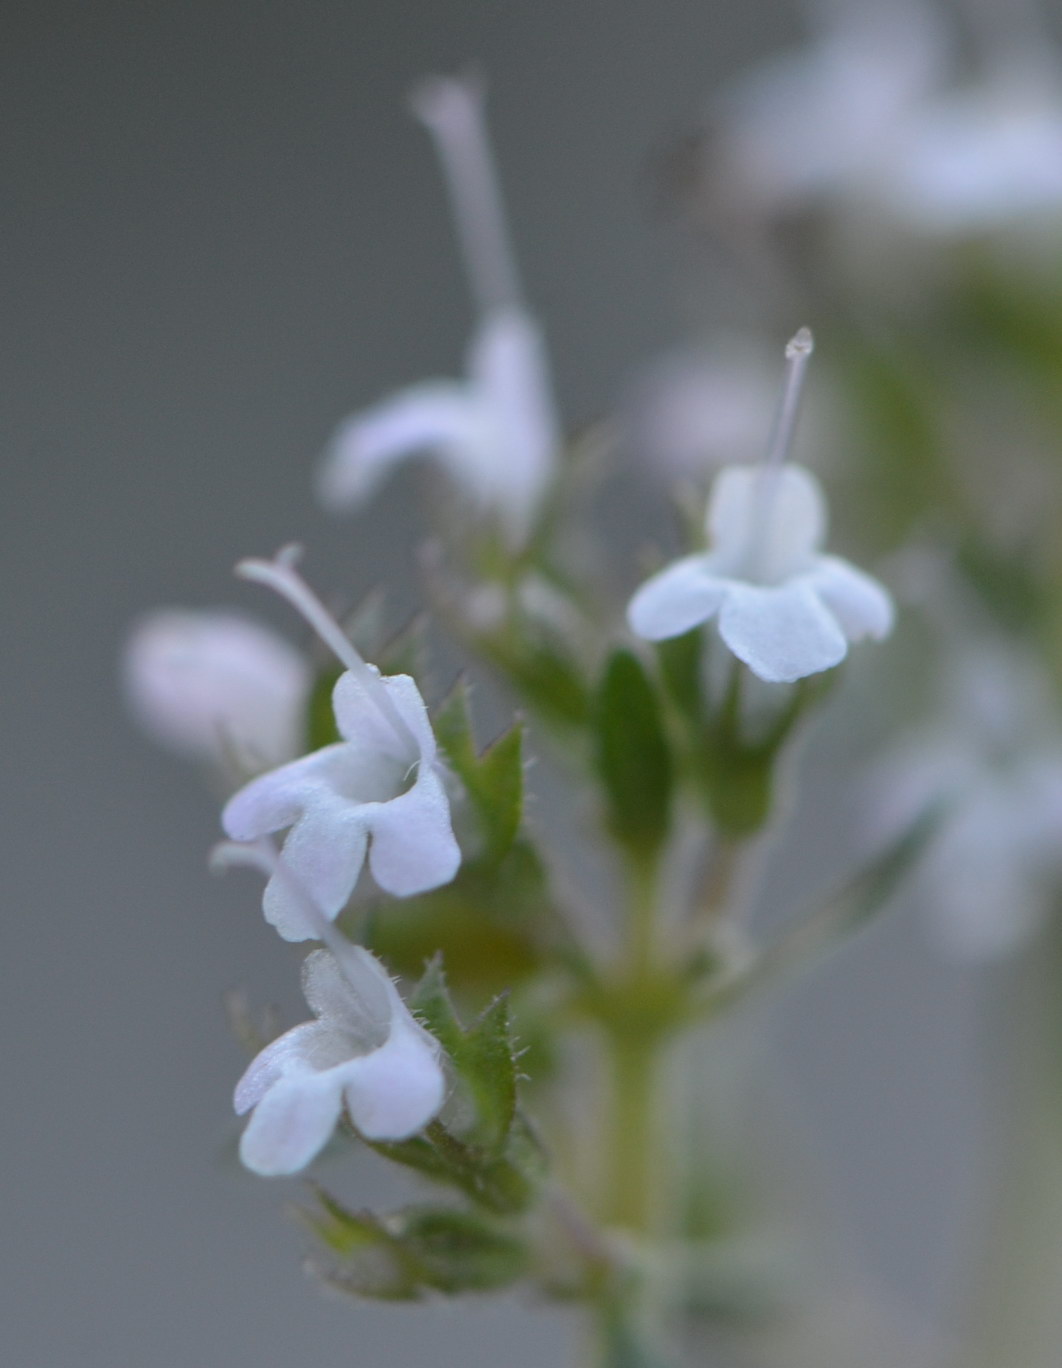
[[494, 780], [364, 1258], [430, 1001], [680, 668], [633, 758], [494, 1158], [486, 1062], [410, 1252], [459, 1251], [482, 1055], [507, 1184], [546, 676], [840, 914]]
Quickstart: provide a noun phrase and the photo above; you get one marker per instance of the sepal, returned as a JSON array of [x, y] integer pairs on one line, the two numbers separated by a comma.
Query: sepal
[[412, 1253], [487, 1150]]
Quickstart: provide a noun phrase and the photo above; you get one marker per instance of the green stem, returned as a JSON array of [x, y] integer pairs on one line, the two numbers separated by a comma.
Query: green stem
[[631, 1194], [633, 1052]]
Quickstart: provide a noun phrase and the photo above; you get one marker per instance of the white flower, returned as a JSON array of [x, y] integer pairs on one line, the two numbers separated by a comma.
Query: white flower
[[808, 124], [495, 433], [375, 793], [364, 1052], [992, 873], [216, 686], [783, 607], [979, 159]]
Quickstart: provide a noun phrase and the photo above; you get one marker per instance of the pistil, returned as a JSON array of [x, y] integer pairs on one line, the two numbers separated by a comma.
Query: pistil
[[452, 112], [280, 575]]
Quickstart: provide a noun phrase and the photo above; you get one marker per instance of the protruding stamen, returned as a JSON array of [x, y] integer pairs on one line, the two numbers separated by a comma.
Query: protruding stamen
[[280, 575], [451, 109], [797, 355]]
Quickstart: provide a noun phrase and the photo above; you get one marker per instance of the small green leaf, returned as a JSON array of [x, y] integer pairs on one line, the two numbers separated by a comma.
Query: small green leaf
[[544, 674], [460, 1251], [633, 757], [506, 1184], [680, 669], [364, 1258], [482, 1056], [486, 1063], [430, 1001], [419, 1249], [494, 780]]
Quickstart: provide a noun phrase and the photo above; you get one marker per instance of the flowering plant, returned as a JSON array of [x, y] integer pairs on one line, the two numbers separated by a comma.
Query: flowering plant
[[519, 1065]]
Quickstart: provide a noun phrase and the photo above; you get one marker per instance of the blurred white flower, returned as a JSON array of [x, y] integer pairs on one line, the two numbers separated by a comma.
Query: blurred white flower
[[811, 122], [993, 872], [981, 158], [215, 686], [869, 119], [495, 432], [784, 609], [363, 1052]]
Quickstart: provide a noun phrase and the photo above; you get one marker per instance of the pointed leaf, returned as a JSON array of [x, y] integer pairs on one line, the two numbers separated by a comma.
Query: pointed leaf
[[460, 1251], [494, 780], [633, 757], [486, 1064], [363, 1257], [430, 1001]]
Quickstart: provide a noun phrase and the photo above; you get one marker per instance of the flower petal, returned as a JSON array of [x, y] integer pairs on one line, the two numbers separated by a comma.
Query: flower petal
[[275, 800], [362, 724], [324, 852], [292, 1123], [782, 633], [413, 845], [395, 1091], [269, 1065], [765, 524], [352, 995], [434, 416], [510, 374], [858, 602], [680, 597]]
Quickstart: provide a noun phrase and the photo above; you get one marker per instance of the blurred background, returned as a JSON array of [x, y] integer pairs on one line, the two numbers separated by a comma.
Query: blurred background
[[221, 233]]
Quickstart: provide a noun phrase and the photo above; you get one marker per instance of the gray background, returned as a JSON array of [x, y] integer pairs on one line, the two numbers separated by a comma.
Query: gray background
[[221, 233]]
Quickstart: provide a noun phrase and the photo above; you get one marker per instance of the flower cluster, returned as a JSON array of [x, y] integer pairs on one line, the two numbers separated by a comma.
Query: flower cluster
[[377, 797], [391, 841]]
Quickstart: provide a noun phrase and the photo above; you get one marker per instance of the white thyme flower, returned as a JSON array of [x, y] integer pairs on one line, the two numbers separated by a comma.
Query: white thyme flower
[[376, 795], [808, 124], [981, 158], [215, 686], [495, 432], [992, 874], [783, 607], [364, 1052]]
